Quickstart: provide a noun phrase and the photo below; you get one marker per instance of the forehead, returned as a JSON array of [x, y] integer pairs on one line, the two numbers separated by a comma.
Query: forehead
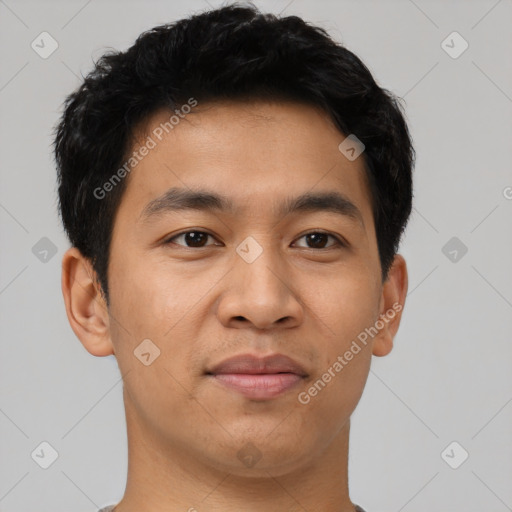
[[249, 151]]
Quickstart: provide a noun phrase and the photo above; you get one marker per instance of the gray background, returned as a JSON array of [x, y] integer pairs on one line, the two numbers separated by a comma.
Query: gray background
[[448, 377]]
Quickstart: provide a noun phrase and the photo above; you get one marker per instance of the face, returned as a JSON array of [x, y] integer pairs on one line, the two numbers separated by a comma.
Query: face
[[249, 271]]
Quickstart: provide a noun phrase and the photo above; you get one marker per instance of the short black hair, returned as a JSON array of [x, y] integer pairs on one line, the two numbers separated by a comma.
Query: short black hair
[[232, 52]]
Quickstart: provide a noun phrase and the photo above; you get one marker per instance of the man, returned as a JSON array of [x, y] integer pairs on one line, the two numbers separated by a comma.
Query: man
[[235, 186]]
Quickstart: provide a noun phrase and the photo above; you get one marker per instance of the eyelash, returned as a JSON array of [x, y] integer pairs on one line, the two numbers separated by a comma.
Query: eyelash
[[339, 242]]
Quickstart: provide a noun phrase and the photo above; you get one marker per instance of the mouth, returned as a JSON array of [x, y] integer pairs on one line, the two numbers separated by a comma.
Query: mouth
[[258, 378]]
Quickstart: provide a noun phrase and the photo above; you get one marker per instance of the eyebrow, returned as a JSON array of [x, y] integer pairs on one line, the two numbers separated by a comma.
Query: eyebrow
[[179, 199]]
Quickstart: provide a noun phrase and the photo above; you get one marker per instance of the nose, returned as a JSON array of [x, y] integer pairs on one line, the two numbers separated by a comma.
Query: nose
[[260, 294]]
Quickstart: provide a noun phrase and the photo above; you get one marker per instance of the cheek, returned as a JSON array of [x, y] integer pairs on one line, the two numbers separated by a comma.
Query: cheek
[[346, 308], [345, 305], [148, 300], [148, 304]]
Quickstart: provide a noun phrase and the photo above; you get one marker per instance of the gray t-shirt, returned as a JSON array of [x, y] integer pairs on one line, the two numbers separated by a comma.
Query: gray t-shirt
[[111, 507]]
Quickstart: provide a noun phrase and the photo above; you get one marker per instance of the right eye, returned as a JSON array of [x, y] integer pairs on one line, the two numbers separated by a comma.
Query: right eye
[[191, 238]]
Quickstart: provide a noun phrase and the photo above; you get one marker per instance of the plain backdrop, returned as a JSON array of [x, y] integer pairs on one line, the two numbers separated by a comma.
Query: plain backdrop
[[449, 376]]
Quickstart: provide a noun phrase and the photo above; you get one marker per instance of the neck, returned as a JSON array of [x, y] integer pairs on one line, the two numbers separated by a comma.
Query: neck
[[166, 477]]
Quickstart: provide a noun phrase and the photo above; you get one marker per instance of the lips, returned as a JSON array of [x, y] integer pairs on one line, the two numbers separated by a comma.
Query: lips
[[258, 378], [253, 365]]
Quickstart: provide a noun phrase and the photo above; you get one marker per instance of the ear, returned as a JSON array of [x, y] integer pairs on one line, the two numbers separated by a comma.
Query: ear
[[85, 306], [394, 291]]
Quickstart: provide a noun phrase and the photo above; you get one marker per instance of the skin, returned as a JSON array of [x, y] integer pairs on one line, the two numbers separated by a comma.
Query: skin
[[202, 305]]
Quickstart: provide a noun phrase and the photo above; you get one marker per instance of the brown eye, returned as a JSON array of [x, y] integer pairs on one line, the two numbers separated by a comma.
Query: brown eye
[[191, 239], [318, 240]]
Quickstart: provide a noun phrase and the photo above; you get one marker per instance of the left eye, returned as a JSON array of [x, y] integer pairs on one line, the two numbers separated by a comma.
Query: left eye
[[318, 239]]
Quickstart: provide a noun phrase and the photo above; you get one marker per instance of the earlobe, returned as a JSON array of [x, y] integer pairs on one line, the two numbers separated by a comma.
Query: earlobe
[[394, 292], [85, 307]]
